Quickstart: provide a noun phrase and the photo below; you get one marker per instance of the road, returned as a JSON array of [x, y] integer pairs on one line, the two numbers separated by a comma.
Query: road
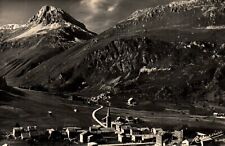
[[94, 116]]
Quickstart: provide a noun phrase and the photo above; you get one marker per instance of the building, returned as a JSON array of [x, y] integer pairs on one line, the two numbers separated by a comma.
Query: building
[[135, 131], [90, 138], [131, 102], [185, 143], [94, 128], [136, 138], [72, 132], [125, 129], [179, 135], [117, 126], [124, 138], [84, 137], [159, 140], [155, 131], [17, 132], [148, 138]]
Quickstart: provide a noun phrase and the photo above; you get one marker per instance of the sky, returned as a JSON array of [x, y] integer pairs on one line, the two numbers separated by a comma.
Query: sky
[[97, 15]]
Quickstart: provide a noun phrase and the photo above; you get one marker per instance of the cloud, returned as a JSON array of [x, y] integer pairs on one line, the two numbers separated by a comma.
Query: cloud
[[99, 13], [98, 6]]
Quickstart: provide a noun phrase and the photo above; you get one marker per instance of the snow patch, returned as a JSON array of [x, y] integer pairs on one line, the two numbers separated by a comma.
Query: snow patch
[[144, 69], [212, 27], [216, 27], [12, 26], [38, 29]]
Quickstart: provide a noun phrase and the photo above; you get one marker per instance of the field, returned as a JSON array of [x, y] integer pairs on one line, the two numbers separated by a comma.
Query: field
[[32, 109]]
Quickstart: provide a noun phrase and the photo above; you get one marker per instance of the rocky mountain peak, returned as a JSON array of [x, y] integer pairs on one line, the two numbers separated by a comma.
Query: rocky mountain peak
[[50, 14]]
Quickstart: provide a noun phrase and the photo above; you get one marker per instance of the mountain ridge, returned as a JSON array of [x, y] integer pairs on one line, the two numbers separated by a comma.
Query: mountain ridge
[[159, 60]]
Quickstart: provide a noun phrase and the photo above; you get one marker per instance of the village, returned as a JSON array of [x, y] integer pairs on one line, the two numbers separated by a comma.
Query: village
[[108, 131]]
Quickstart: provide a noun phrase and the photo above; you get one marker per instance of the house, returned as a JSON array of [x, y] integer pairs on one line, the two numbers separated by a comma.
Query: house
[[125, 129], [145, 130], [159, 140], [117, 126], [17, 131], [123, 138], [131, 102], [148, 138], [179, 135], [84, 136], [90, 138], [72, 131], [25, 135], [185, 143], [155, 131], [136, 138]]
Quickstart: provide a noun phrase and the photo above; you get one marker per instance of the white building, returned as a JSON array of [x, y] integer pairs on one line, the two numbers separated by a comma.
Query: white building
[[131, 102], [185, 143]]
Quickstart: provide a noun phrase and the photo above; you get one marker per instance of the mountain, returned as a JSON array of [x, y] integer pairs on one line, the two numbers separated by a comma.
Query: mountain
[[48, 33], [172, 53]]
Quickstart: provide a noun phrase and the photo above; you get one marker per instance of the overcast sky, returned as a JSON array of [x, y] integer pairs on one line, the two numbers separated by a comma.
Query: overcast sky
[[97, 15]]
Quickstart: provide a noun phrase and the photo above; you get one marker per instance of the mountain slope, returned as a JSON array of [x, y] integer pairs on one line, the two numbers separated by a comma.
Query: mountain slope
[[149, 56], [49, 32]]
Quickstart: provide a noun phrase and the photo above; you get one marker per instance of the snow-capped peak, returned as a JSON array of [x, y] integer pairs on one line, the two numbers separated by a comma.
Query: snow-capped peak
[[49, 20], [11, 26], [49, 15]]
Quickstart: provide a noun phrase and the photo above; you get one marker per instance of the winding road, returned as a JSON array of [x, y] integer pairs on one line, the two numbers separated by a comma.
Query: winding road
[[94, 116]]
